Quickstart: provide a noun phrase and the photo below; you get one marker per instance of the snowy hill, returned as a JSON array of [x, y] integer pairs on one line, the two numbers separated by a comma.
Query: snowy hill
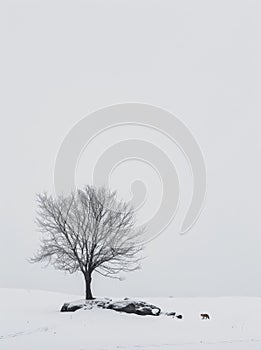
[[31, 320]]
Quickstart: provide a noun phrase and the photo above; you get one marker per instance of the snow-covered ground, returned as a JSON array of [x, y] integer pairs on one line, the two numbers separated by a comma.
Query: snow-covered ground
[[31, 320]]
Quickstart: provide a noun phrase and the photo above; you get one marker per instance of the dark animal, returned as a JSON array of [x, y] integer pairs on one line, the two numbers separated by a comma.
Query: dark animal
[[179, 317], [205, 316]]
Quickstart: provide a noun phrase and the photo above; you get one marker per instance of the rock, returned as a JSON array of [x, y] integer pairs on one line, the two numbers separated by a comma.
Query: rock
[[129, 306], [179, 317], [171, 314], [70, 308], [135, 307], [85, 304]]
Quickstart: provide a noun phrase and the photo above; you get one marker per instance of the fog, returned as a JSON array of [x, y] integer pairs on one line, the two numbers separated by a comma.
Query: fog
[[200, 60]]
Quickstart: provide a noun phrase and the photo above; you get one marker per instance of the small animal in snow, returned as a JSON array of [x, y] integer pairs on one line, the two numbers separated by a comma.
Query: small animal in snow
[[205, 316], [179, 316]]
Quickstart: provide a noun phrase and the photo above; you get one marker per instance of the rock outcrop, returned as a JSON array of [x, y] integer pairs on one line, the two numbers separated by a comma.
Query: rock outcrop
[[140, 308]]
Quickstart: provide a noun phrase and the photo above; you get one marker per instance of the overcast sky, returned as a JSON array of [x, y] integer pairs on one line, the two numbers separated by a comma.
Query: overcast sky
[[61, 60]]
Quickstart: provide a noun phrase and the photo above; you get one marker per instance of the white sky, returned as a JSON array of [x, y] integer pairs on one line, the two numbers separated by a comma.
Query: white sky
[[61, 60]]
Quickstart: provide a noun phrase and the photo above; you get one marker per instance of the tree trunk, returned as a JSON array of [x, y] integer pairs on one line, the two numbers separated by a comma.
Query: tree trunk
[[88, 290]]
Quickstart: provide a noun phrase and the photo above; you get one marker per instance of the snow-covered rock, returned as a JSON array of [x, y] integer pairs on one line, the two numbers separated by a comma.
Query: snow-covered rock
[[127, 305], [135, 307]]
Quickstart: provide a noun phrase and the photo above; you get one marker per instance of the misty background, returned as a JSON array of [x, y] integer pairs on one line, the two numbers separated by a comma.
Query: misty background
[[61, 60]]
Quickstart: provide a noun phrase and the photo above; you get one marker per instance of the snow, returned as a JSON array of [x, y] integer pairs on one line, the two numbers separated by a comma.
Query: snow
[[154, 311], [31, 320]]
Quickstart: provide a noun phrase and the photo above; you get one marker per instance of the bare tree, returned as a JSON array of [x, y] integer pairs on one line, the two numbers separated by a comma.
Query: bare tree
[[89, 230]]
